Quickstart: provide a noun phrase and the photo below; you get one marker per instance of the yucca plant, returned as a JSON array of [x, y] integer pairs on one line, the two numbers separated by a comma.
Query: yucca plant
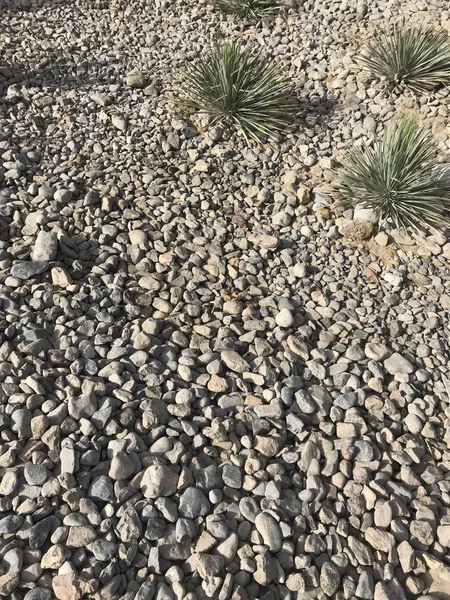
[[408, 56], [238, 87], [254, 9], [397, 178]]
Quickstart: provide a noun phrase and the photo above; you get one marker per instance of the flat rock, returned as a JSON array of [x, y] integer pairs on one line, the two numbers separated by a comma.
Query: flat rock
[[396, 363], [27, 270]]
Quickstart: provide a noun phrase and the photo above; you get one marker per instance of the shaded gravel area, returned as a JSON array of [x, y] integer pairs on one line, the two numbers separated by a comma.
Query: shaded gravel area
[[213, 383]]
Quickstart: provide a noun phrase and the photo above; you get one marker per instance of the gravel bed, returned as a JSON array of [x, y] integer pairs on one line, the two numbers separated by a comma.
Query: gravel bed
[[213, 383]]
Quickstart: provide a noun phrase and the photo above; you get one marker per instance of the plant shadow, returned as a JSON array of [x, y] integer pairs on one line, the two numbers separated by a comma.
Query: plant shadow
[[59, 72], [14, 6], [316, 109]]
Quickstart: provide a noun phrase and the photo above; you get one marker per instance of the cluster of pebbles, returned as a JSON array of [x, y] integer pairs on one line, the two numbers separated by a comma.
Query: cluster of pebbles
[[213, 385]]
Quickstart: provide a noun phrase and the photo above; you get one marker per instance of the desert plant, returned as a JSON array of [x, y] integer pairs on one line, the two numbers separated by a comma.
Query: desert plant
[[397, 178], [235, 86], [408, 56], [254, 9]]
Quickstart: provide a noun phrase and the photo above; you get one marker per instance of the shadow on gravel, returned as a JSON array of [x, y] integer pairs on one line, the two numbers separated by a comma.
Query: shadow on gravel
[[9, 6], [315, 108], [60, 73]]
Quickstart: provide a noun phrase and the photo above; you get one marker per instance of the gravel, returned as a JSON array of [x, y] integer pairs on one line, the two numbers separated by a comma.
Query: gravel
[[214, 384]]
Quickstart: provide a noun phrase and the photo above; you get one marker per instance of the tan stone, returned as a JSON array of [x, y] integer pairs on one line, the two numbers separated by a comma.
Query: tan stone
[[80, 536], [68, 587], [217, 384], [60, 277], [356, 230], [55, 557], [379, 539]]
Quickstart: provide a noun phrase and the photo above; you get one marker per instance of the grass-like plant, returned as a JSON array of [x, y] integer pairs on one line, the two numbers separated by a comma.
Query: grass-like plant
[[254, 9], [408, 56], [397, 178], [237, 87]]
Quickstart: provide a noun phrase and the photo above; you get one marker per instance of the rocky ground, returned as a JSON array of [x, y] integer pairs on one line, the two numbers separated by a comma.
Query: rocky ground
[[213, 384]]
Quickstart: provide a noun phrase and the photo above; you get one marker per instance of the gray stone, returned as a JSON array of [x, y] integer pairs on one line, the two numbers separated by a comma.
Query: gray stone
[[45, 247], [102, 489], [35, 474], [285, 318], [270, 530], [396, 363], [26, 270], [330, 578], [159, 480], [193, 504], [122, 467]]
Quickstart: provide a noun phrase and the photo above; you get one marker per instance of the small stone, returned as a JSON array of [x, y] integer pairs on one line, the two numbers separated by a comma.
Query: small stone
[[82, 407], [209, 565], [376, 351], [60, 277], [397, 364], [35, 474], [119, 122], [413, 423], [268, 446], [55, 557], [263, 240], [270, 530], [356, 230], [81, 536], [129, 528], [443, 534], [365, 214], [122, 467], [285, 318], [135, 79], [379, 539], [11, 568], [234, 361], [45, 247], [68, 587], [100, 99], [193, 504], [102, 489], [159, 481], [422, 531], [329, 578], [232, 476], [63, 196], [26, 270]]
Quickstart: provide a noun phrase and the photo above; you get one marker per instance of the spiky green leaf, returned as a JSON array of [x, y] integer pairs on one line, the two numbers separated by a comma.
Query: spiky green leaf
[[254, 9], [397, 178], [407, 56], [240, 88]]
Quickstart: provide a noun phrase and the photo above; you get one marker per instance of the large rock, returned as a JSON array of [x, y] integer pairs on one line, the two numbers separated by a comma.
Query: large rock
[[11, 565], [356, 230], [69, 586], [26, 270], [397, 364], [193, 504], [159, 480], [270, 531], [45, 247], [329, 578], [234, 361]]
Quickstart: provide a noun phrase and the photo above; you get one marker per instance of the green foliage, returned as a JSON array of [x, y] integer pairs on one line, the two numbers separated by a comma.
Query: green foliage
[[397, 178], [406, 56], [239, 88], [254, 9]]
